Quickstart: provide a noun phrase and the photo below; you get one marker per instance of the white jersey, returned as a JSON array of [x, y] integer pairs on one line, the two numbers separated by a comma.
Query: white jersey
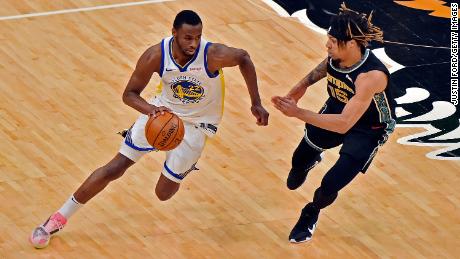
[[192, 92]]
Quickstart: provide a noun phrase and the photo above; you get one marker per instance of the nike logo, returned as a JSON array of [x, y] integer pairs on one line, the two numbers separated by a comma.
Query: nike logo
[[168, 69], [312, 229], [349, 78]]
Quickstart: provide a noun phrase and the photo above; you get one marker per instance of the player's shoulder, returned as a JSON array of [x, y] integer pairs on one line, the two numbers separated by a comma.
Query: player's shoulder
[[373, 75], [153, 52], [152, 55], [375, 80], [216, 48], [150, 60], [222, 51]]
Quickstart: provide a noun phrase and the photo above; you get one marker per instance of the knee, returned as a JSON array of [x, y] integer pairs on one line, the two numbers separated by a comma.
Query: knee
[[165, 188], [305, 157], [164, 192], [326, 190], [163, 195]]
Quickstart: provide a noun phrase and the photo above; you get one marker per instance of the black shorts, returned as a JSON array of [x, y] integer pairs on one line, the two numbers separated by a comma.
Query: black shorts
[[359, 142]]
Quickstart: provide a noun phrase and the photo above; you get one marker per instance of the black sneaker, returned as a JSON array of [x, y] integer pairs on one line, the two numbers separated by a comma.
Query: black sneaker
[[305, 226], [297, 176]]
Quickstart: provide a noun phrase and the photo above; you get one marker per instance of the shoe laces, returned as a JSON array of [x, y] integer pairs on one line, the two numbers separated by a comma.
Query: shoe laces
[[53, 224]]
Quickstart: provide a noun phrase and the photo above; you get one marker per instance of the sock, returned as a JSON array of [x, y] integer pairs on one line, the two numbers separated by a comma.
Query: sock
[[70, 207]]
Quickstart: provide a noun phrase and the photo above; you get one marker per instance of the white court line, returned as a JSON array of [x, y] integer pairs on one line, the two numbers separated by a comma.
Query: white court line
[[84, 9]]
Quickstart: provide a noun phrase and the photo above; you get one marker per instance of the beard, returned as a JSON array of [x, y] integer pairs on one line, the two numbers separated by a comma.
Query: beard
[[336, 61], [186, 52]]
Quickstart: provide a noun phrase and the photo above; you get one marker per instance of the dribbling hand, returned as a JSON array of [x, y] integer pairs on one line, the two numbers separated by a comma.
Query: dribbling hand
[[158, 110]]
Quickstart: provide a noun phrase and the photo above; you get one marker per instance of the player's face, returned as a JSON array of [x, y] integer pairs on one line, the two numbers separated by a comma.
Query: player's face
[[188, 38], [333, 49]]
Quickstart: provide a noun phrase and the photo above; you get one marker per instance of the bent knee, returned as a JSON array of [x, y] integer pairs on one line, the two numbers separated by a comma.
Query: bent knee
[[165, 188], [164, 195], [116, 167]]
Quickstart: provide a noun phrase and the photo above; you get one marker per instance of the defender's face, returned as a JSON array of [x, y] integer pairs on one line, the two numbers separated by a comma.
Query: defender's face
[[333, 49], [188, 38]]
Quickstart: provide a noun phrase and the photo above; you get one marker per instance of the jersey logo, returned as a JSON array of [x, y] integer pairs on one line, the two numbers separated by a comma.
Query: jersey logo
[[339, 89], [187, 89], [349, 78]]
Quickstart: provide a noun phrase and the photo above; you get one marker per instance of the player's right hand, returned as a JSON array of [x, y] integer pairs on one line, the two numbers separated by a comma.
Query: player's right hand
[[289, 96], [158, 110], [286, 105]]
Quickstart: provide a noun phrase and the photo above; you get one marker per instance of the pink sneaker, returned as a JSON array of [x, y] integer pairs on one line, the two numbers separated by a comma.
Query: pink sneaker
[[41, 235]]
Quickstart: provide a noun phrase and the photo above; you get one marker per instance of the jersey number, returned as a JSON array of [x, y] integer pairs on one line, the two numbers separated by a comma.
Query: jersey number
[[338, 94]]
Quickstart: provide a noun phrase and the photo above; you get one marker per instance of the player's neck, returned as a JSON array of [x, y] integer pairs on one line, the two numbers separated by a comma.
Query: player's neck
[[353, 58]]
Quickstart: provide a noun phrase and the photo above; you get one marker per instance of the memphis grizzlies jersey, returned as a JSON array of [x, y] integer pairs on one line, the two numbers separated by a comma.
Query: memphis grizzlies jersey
[[191, 91], [341, 88]]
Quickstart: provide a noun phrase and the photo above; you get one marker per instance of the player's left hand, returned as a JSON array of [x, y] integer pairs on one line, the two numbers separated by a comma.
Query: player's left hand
[[286, 105], [261, 114]]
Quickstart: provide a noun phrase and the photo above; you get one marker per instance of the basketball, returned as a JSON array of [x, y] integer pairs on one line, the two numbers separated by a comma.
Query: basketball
[[164, 132]]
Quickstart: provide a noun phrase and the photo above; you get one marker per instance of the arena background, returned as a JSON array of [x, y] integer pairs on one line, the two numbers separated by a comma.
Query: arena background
[[63, 68]]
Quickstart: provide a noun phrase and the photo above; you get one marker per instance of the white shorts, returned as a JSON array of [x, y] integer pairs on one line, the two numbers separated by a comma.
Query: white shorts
[[179, 161]]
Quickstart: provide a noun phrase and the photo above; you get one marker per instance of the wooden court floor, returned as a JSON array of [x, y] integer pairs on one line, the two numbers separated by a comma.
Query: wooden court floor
[[61, 80]]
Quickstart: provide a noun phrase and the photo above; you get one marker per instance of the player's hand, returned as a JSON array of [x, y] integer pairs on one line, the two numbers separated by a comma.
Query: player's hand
[[291, 97], [158, 110], [261, 114], [287, 105]]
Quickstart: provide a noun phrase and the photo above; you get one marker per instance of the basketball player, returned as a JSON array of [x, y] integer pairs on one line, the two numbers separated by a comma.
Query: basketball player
[[358, 114], [192, 87]]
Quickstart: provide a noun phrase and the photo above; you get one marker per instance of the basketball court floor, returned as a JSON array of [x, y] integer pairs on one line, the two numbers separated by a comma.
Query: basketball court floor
[[63, 69]]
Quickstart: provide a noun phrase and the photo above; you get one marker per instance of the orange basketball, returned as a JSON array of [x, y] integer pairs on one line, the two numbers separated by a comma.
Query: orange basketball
[[164, 132]]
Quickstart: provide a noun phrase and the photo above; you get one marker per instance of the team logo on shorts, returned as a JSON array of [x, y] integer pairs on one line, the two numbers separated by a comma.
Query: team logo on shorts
[[187, 89]]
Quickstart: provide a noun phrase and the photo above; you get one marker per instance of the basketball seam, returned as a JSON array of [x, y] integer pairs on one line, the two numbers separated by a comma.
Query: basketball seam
[[164, 125]]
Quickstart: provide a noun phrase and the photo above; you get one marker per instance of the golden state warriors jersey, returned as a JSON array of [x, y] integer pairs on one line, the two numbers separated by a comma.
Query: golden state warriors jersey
[[191, 91]]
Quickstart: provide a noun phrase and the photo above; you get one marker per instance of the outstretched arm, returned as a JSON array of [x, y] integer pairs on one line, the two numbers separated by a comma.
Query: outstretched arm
[[367, 85], [314, 76], [220, 56], [147, 64]]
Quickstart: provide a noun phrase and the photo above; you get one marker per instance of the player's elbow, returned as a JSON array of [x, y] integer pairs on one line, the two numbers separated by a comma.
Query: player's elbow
[[243, 57], [344, 125], [125, 97], [342, 130]]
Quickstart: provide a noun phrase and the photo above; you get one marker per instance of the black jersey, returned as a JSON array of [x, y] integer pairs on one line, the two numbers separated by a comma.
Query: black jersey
[[341, 88]]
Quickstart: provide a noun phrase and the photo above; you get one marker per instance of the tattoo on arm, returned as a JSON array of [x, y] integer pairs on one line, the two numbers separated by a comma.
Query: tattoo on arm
[[316, 74]]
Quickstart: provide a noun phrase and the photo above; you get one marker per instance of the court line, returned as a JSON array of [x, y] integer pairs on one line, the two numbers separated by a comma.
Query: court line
[[83, 9]]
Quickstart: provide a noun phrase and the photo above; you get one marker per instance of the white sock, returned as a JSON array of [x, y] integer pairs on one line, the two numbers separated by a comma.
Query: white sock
[[70, 207]]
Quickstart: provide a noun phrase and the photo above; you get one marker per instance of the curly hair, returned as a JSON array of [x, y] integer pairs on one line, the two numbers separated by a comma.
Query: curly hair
[[352, 25]]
